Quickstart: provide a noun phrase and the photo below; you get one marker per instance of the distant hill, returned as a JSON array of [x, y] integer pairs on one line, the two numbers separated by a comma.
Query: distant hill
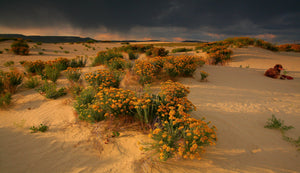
[[46, 39]]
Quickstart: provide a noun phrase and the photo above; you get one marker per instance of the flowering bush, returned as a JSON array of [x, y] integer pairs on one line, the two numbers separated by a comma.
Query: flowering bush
[[181, 65], [104, 56], [145, 70], [59, 63], [73, 74], [20, 47], [34, 67], [11, 80], [117, 64], [83, 106], [103, 78], [289, 47]]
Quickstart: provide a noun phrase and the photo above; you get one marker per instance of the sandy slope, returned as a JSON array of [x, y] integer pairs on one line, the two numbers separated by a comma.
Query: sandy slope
[[237, 100]]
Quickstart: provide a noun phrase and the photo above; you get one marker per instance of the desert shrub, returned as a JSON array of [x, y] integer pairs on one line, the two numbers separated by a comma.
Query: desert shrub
[[5, 99], [66, 51], [181, 65], [181, 50], [289, 47], [1, 51], [132, 55], [9, 63], [117, 64], [146, 107], [20, 47], [73, 74], [115, 102], [103, 78], [49, 90], [84, 106], [78, 62], [59, 63], [32, 82], [75, 89], [12, 80], [51, 72], [145, 70], [33, 67], [159, 52], [177, 134], [41, 53], [104, 56], [39, 43]]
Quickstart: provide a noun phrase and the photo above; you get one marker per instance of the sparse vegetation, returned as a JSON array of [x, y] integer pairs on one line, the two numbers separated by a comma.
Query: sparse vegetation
[[32, 82], [41, 128], [9, 63], [49, 90]]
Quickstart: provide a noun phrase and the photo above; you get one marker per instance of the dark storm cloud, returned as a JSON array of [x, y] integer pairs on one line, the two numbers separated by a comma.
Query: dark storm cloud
[[228, 18]]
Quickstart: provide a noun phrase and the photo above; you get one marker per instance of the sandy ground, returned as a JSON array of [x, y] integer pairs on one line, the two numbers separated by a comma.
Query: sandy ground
[[237, 100]]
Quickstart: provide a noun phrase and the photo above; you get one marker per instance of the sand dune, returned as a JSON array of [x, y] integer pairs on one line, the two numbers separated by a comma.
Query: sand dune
[[237, 100]]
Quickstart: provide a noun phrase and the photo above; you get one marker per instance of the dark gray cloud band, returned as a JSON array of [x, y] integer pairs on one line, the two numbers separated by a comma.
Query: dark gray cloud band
[[193, 18]]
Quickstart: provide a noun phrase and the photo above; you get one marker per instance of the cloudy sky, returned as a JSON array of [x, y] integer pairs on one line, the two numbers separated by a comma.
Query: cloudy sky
[[171, 20]]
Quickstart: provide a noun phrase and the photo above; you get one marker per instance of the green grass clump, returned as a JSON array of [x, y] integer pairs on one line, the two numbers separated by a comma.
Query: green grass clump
[[78, 62], [41, 128], [52, 73], [32, 82], [275, 123], [49, 90], [41, 53]]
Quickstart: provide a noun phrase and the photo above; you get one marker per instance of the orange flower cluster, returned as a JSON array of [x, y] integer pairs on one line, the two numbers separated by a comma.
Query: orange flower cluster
[[145, 70], [114, 102], [102, 78], [73, 74], [178, 134]]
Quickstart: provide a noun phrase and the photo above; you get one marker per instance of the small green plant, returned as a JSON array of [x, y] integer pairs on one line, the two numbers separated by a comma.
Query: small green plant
[[55, 51], [5, 99], [104, 56], [1, 51], [67, 51], [49, 90], [75, 50], [39, 43], [41, 128], [32, 82], [204, 75], [6, 49], [9, 63], [61, 47], [41, 53], [275, 123]]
